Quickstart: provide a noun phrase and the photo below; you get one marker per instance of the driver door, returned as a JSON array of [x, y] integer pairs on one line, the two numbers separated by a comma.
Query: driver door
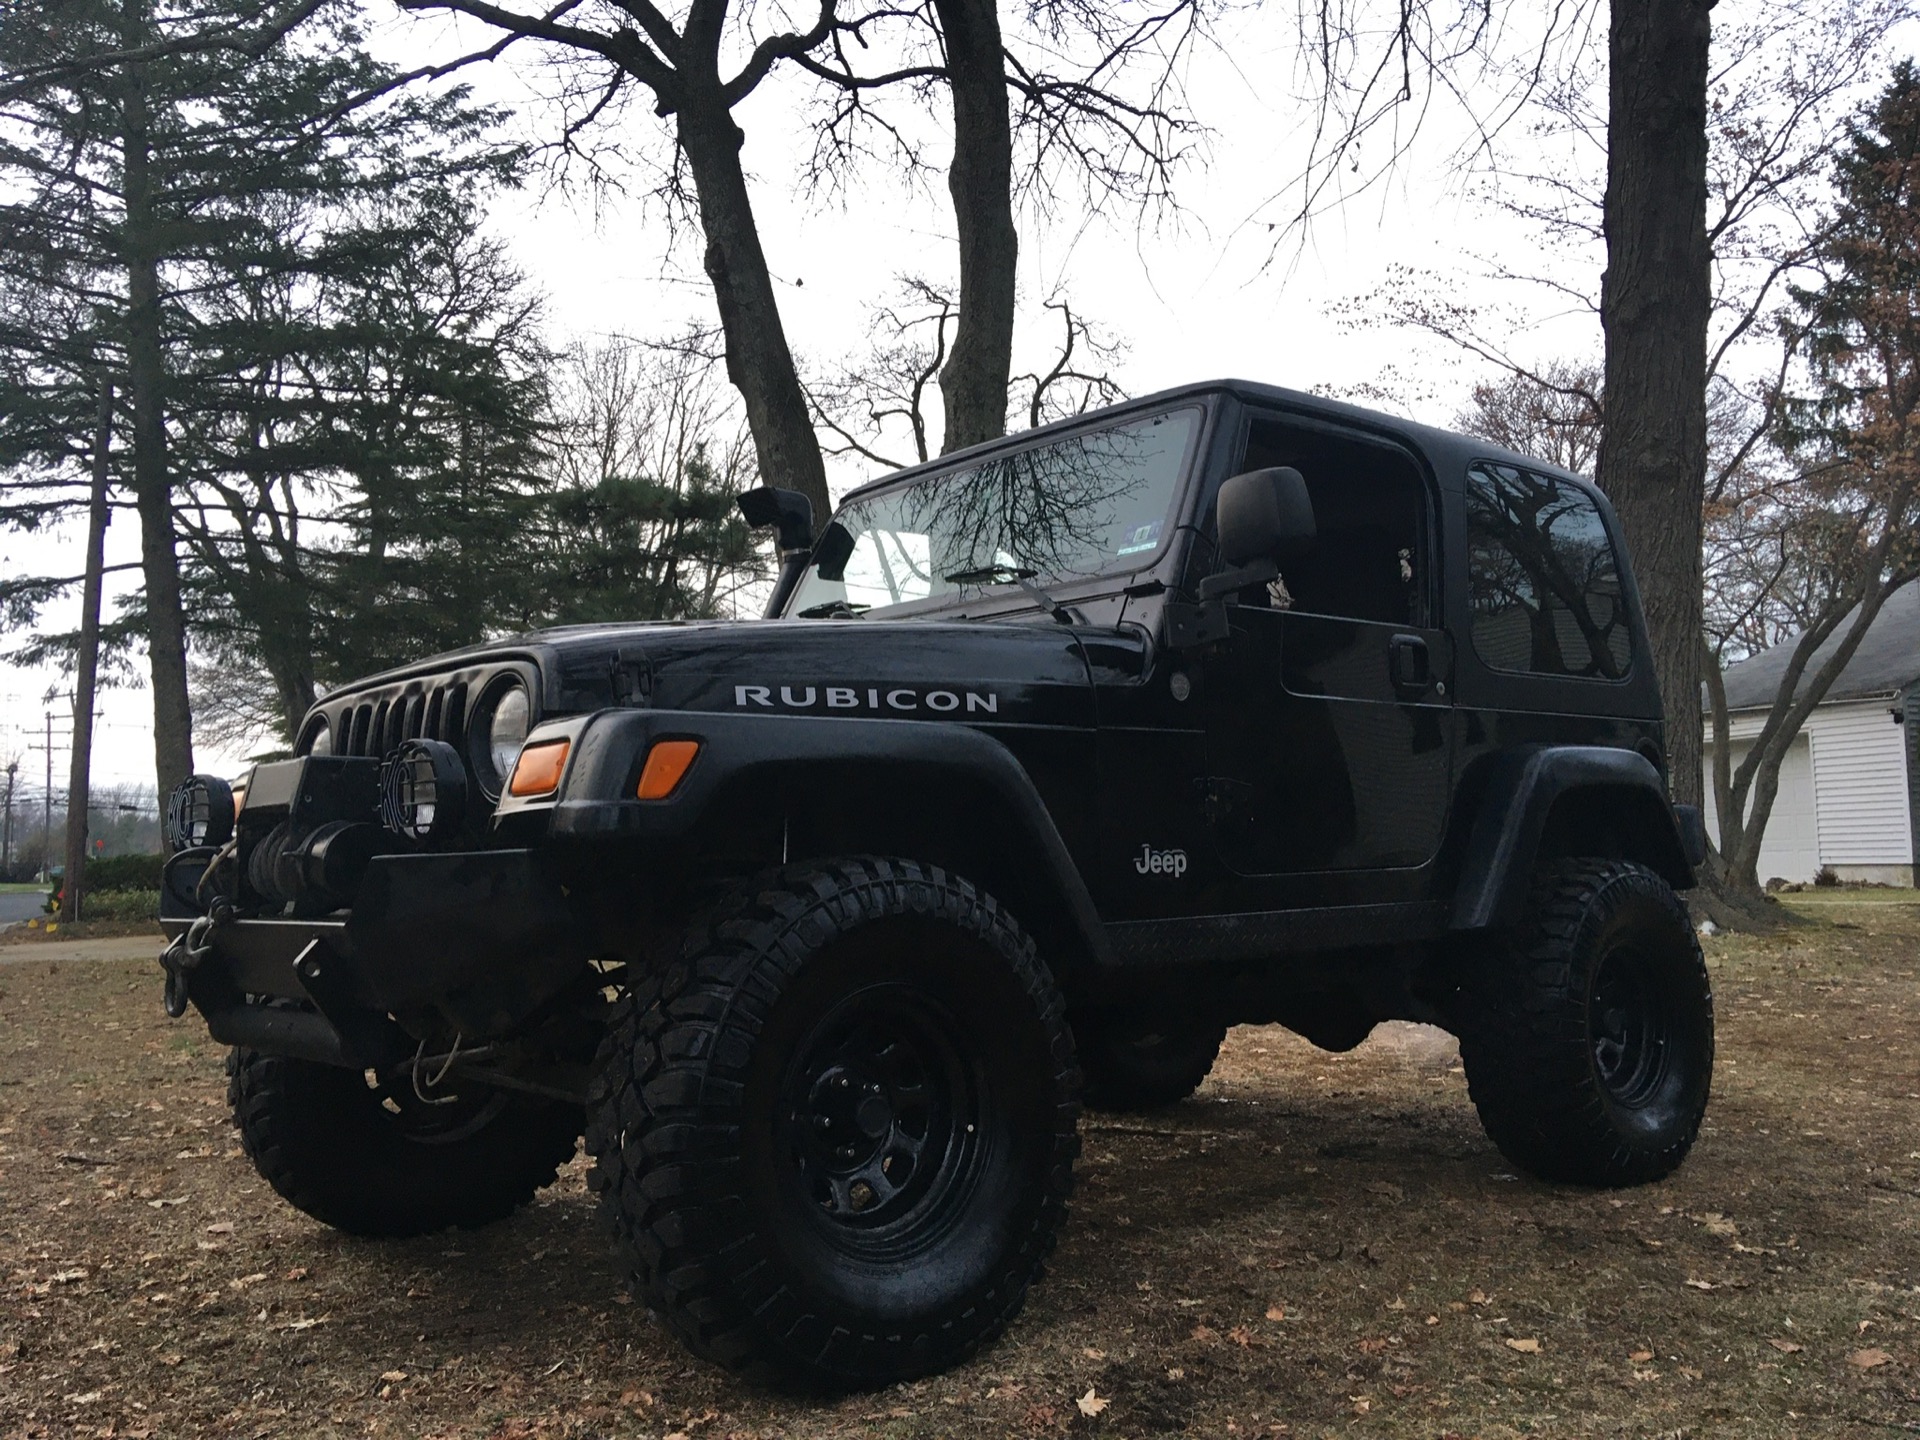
[[1329, 710]]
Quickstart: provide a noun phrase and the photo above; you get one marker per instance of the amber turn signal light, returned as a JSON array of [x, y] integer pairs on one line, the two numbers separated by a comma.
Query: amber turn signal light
[[538, 771], [667, 762]]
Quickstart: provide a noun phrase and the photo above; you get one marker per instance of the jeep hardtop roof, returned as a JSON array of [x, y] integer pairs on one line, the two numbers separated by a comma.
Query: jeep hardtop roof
[[1437, 445]]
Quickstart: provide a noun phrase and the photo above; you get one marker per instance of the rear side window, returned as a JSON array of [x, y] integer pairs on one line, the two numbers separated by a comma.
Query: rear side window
[[1542, 583]]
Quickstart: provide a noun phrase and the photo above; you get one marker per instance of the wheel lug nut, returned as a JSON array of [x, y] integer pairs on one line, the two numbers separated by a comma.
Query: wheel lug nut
[[821, 1122]]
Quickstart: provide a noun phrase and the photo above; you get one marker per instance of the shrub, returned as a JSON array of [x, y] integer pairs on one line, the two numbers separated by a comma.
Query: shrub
[[125, 872], [121, 905]]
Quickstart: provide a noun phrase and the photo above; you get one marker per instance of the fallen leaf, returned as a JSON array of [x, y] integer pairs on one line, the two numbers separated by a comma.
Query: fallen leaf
[[1205, 1335], [220, 1227], [1640, 1357], [1091, 1404], [1479, 1297], [164, 1200], [1242, 1336], [1693, 1284], [1276, 1312], [393, 1377], [1176, 1373], [68, 1277], [298, 1272], [1718, 1224], [1386, 1189], [1869, 1359], [1525, 1347], [1093, 1354], [1787, 1347]]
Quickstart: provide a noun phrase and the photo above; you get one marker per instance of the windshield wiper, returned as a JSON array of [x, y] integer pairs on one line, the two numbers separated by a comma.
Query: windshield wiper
[[831, 610], [1020, 575], [989, 574]]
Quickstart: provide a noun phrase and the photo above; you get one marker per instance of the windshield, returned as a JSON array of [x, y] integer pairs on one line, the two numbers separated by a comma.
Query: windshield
[[1086, 505]]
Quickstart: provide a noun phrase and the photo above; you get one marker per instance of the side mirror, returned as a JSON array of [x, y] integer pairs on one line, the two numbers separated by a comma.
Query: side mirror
[[788, 511], [1264, 518], [1265, 515]]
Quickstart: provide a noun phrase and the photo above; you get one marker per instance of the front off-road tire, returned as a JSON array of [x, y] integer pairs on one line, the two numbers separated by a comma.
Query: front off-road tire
[[1588, 1034], [373, 1160], [834, 1137], [1134, 1059]]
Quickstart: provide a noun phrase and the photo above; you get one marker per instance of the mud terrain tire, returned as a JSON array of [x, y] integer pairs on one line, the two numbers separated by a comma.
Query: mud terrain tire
[[834, 1137], [1134, 1060], [1588, 1033], [335, 1147]]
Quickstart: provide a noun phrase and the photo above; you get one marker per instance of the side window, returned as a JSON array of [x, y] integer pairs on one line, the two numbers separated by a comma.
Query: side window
[[1543, 587], [1368, 560]]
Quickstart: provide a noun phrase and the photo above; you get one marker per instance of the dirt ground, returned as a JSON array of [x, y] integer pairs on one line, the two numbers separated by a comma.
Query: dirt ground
[[1315, 1245]]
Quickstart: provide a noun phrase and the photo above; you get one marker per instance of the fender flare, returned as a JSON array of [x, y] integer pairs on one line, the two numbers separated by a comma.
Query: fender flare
[[611, 748], [1516, 797]]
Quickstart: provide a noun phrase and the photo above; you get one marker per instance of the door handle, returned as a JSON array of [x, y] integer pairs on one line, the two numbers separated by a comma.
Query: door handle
[[1409, 665]]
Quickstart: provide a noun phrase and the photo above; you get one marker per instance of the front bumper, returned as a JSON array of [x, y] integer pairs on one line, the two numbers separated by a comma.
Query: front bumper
[[475, 942]]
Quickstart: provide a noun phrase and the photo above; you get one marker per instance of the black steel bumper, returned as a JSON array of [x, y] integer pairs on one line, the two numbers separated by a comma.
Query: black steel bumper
[[477, 941]]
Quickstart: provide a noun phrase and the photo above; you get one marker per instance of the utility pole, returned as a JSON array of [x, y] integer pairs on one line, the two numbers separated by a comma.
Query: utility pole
[[86, 666], [6, 832], [46, 815]]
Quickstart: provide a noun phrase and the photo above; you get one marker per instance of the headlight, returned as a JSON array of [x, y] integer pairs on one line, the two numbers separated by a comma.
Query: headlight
[[423, 791], [318, 740], [499, 727], [200, 813]]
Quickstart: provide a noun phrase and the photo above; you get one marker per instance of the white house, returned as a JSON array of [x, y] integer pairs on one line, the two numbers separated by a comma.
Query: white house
[[1850, 785]]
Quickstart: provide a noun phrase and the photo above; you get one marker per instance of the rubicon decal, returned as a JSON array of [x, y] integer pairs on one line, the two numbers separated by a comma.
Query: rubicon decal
[[867, 699]]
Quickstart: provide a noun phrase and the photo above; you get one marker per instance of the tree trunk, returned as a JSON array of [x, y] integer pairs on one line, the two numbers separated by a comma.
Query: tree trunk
[[86, 664], [1654, 302], [153, 494], [973, 383], [758, 361]]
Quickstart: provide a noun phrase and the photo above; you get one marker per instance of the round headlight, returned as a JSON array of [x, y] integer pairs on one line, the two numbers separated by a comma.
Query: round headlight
[[200, 813], [500, 724], [318, 740], [423, 791]]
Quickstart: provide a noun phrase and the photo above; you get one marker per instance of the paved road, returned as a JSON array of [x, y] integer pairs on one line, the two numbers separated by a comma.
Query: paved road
[[21, 906]]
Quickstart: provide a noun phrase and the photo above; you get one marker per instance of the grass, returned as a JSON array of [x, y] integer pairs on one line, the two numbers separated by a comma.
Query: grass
[[1315, 1245]]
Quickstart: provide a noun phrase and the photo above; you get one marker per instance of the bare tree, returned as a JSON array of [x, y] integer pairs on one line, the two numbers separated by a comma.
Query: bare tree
[[1713, 160], [862, 406], [1050, 103], [688, 67]]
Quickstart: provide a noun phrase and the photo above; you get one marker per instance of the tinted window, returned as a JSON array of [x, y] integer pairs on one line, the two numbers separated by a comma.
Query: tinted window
[[1543, 586], [1368, 560], [1085, 505]]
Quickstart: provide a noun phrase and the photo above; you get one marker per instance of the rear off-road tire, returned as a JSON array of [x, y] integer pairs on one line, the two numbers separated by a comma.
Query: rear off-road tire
[[835, 1135], [1587, 1034], [375, 1161], [1137, 1060]]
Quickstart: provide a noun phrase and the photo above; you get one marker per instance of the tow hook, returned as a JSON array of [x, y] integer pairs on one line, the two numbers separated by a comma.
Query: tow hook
[[188, 949]]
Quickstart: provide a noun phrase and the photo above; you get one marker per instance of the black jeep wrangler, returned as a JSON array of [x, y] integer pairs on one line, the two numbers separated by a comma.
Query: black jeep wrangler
[[1227, 705]]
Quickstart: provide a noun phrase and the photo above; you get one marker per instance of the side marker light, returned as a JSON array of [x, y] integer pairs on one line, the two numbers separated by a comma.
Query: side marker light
[[667, 764], [539, 768]]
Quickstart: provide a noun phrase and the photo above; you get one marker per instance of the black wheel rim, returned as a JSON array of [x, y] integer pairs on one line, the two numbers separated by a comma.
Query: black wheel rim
[[1629, 1028], [886, 1115]]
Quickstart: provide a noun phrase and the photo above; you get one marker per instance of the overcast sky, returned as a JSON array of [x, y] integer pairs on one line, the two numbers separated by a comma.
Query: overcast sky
[[1200, 294]]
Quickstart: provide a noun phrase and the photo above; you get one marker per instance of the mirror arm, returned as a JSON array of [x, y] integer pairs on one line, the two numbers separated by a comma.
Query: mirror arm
[[1258, 573], [1205, 623]]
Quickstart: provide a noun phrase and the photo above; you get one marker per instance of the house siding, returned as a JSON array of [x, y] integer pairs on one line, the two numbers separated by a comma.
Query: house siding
[[1910, 707], [1862, 803]]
